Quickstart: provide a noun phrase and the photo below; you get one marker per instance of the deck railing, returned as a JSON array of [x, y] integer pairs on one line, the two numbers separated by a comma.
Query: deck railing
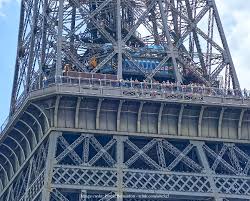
[[133, 87]]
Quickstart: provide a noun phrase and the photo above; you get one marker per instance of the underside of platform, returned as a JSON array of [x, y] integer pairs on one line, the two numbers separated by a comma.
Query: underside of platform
[[77, 147]]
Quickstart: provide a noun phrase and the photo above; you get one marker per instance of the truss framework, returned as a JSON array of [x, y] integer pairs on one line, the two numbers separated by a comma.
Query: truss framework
[[177, 40], [73, 166]]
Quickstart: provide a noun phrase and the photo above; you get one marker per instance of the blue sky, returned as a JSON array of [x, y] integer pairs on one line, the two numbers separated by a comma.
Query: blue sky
[[235, 16], [9, 19]]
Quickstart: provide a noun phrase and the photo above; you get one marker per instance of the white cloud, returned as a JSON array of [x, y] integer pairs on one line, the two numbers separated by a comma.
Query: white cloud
[[235, 16]]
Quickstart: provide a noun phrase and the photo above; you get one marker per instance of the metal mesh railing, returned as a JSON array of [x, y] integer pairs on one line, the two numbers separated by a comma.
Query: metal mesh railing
[[172, 88], [133, 87]]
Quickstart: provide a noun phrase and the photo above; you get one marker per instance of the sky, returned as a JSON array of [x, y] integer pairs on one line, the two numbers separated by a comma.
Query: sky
[[235, 15]]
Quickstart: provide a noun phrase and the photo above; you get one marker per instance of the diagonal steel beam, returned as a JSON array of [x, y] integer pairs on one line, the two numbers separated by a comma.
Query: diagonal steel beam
[[219, 159], [196, 39], [102, 151], [139, 21], [176, 152], [72, 154], [104, 61], [180, 157], [152, 74], [142, 153], [70, 148]]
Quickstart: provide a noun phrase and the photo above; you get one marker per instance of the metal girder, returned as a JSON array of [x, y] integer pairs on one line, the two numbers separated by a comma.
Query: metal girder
[[118, 118], [30, 129], [23, 155], [42, 112], [56, 110], [200, 120], [149, 77], [120, 37], [178, 77], [140, 20], [78, 103], [142, 153], [245, 157], [196, 39], [180, 156], [26, 139], [139, 117], [122, 178], [52, 146], [68, 150], [98, 111], [240, 123], [236, 83], [180, 119], [14, 153], [40, 131], [176, 152], [86, 150], [219, 159], [12, 169], [102, 151], [7, 177], [161, 155], [220, 122], [160, 118]]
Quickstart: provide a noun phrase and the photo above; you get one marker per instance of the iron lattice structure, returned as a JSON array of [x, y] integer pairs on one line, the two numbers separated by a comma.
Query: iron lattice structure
[[95, 115], [178, 40]]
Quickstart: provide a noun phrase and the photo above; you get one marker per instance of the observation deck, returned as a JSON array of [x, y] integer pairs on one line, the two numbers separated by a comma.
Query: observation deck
[[108, 87], [120, 125]]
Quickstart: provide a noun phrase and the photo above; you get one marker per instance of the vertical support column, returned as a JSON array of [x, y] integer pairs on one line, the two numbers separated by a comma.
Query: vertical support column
[[44, 36], [119, 40], [77, 112], [160, 118], [17, 62], [118, 120], [72, 28], [180, 119], [120, 166], [32, 45], [98, 111], [240, 123], [204, 161], [220, 122], [200, 121], [178, 78], [139, 117], [49, 165], [58, 98], [59, 39]]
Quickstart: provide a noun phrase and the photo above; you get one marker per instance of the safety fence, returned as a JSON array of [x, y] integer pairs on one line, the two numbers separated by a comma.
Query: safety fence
[[133, 87]]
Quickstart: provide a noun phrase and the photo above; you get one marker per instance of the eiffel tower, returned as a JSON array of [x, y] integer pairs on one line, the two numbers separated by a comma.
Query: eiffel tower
[[134, 100]]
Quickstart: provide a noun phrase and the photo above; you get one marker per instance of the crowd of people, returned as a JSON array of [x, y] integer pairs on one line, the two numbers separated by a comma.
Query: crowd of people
[[156, 87]]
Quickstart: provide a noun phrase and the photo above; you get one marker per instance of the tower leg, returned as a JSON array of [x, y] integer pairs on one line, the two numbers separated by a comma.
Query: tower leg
[[203, 159], [49, 165], [120, 164]]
